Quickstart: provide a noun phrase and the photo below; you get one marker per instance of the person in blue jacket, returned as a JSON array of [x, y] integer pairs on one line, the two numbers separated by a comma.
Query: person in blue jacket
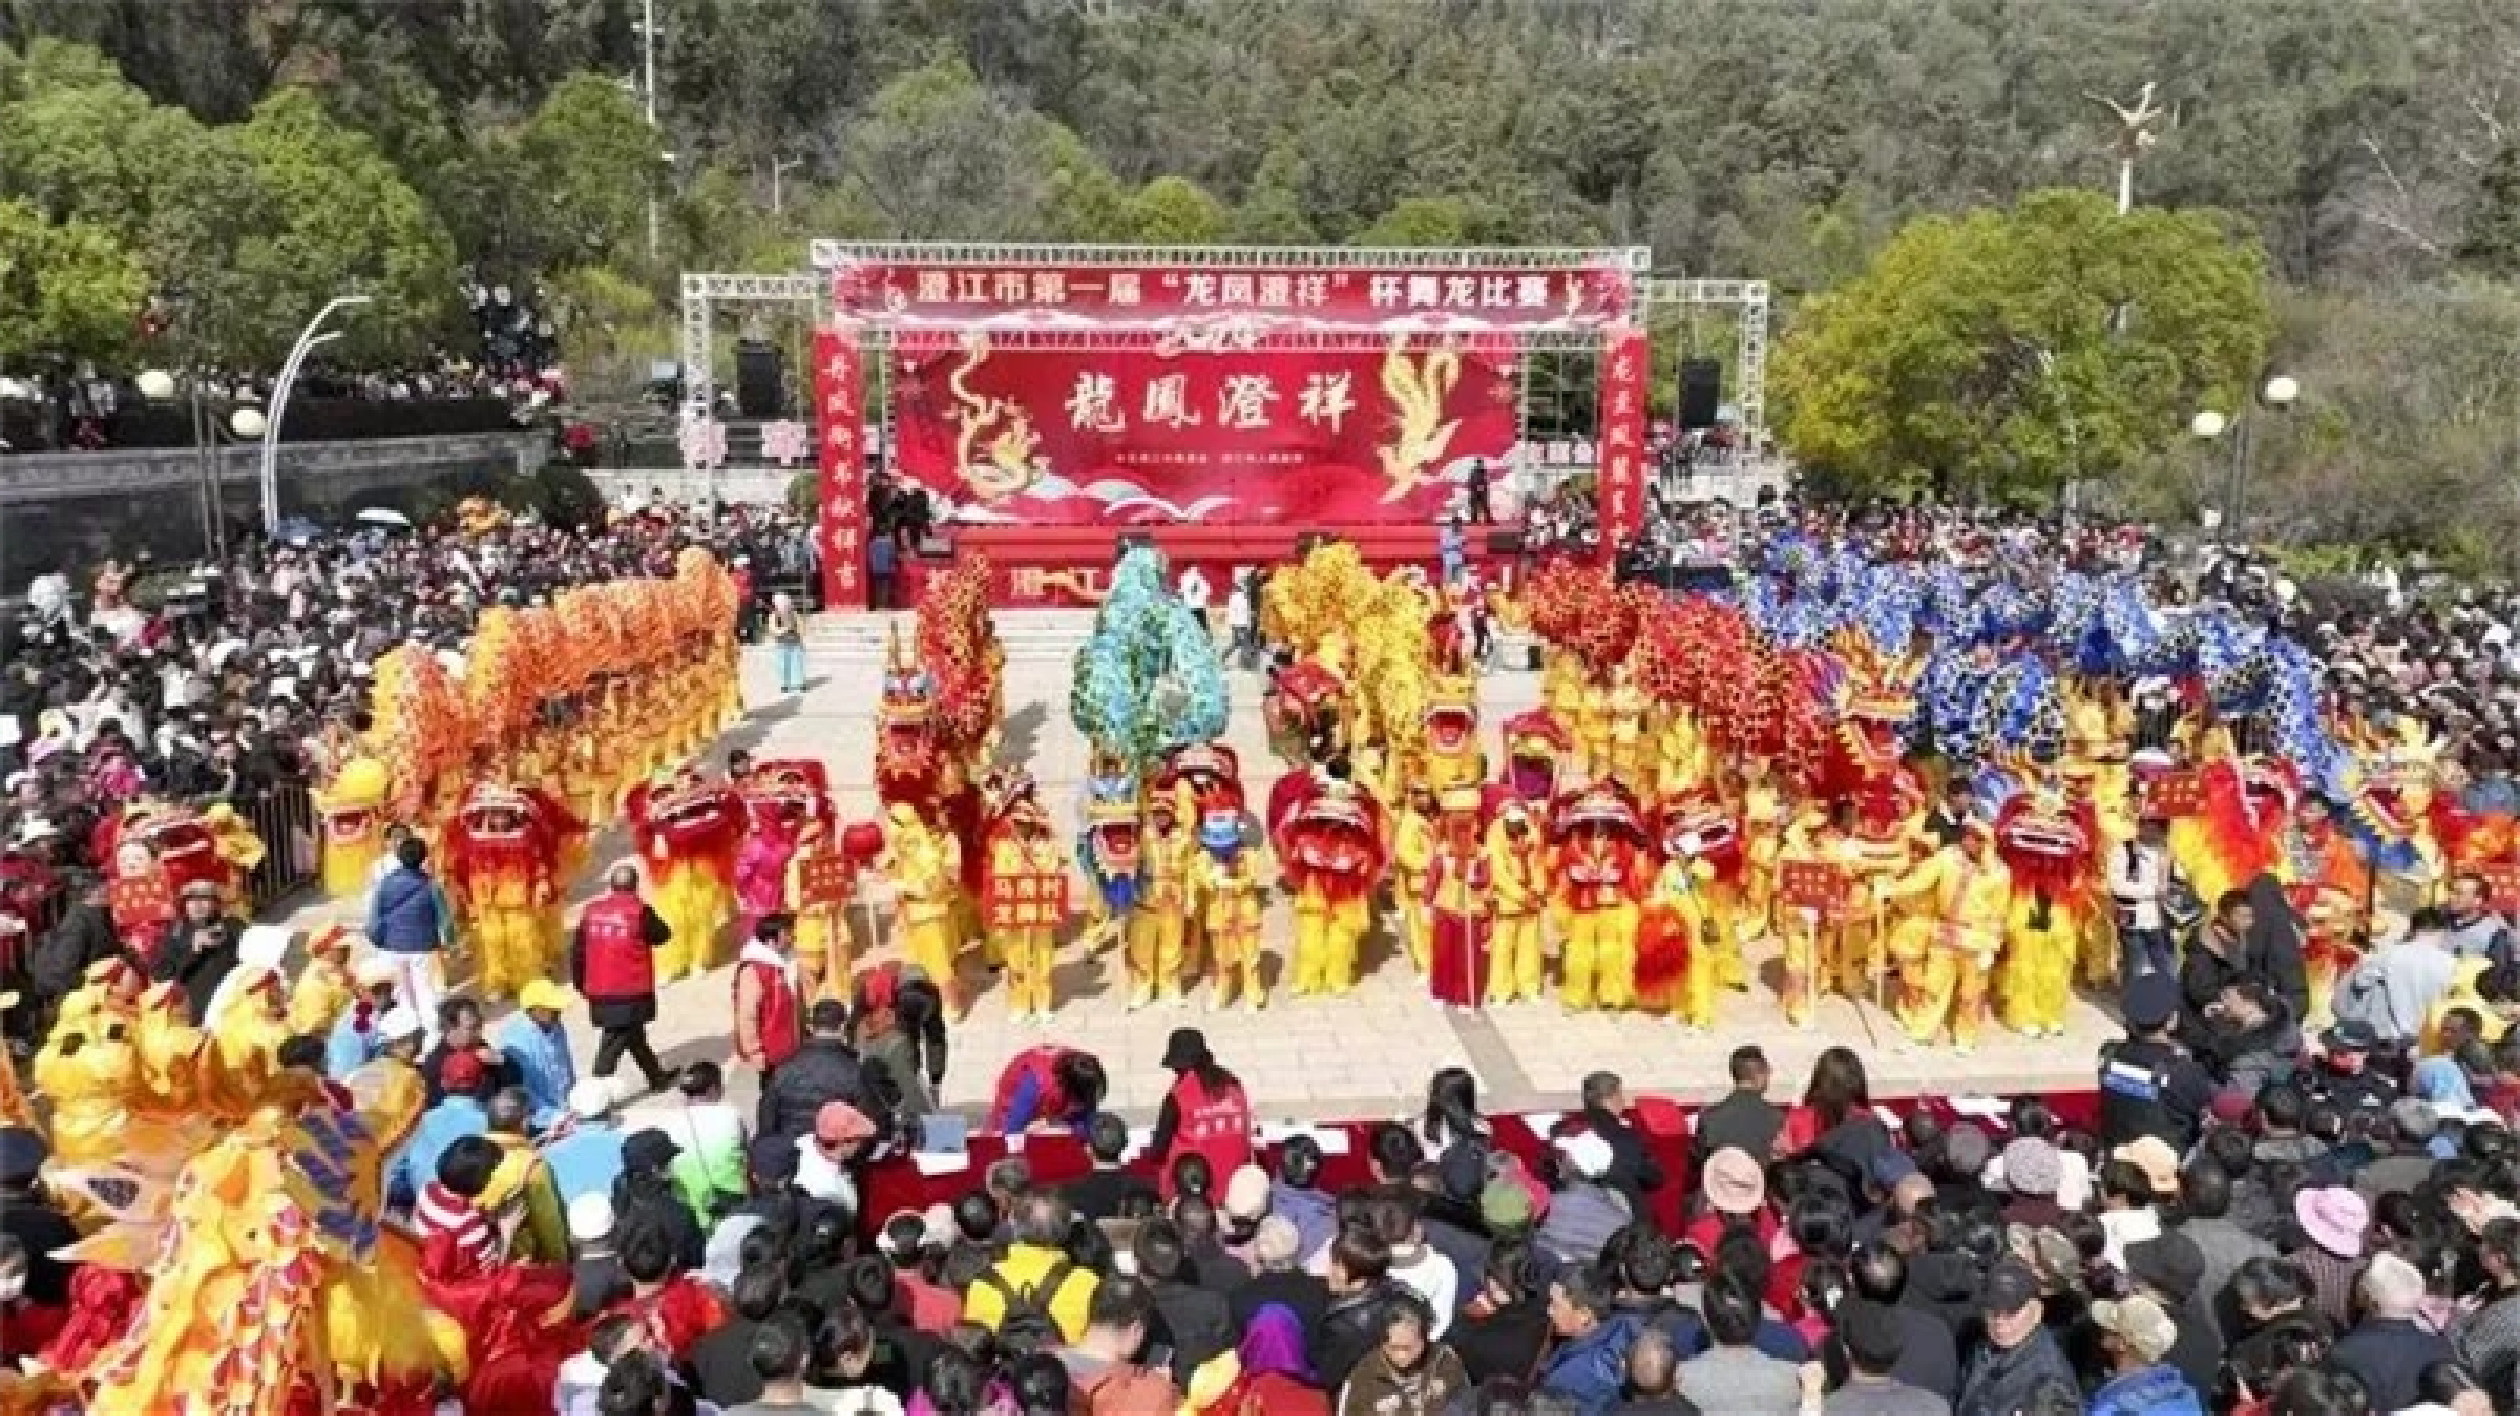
[[537, 1050], [409, 922], [461, 1113], [2135, 1335], [1589, 1366]]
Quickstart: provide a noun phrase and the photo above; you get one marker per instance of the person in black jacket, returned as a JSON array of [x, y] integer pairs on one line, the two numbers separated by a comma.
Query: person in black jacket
[[83, 935], [199, 951], [1633, 1170], [1198, 1321], [824, 1070], [644, 1196], [1745, 1120], [1505, 1326], [1360, 1286], [1102, 1192]]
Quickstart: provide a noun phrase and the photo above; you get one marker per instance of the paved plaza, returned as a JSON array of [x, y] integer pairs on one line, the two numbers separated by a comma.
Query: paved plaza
[[1365, 1055]]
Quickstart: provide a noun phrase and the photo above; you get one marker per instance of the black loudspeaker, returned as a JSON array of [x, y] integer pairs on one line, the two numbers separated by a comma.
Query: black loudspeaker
[[1701, 388], [760, 379], [1505, 541]]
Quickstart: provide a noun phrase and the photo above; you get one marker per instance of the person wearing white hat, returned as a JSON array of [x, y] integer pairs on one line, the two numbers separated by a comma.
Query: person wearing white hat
[[594, 1266], [587, 1159]]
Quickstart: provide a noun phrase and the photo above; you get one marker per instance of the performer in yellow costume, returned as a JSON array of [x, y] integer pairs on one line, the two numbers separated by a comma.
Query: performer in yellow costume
[[2045, 835], [689, 831], [1624, 705], [1944, 960], [1331, 850], [823, 944], [1599, 871], [926, 870], [1225, 883], [1161, 921], [1761, 804], [1026, 888], [325, 988], [352, 811], [1519, 869], [1412, 855], [1675, 952]]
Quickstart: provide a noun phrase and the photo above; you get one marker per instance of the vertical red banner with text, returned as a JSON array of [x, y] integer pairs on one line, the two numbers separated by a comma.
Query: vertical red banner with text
[[840, 414], [1620, 485]]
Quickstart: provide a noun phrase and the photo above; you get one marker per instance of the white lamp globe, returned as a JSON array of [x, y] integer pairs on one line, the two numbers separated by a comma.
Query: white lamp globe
[[2208, 424], [156, 383], [246, 422], [2281, 390]]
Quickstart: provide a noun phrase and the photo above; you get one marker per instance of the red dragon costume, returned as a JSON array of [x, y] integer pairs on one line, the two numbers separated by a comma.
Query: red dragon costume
[[508, 855], [688, 831]]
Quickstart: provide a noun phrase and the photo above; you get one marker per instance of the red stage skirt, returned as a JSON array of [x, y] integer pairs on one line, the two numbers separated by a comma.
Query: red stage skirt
[[1457, 972]]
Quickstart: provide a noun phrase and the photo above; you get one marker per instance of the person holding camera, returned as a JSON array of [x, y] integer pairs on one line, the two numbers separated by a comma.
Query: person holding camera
[[199, 950]]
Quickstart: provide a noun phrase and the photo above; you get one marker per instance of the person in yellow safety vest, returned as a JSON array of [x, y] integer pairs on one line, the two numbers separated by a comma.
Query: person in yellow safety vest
[[1945, 958]]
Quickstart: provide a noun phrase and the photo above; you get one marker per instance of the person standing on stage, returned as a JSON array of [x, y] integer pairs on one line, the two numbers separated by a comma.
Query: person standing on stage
[[1475, 493], [613, 963]]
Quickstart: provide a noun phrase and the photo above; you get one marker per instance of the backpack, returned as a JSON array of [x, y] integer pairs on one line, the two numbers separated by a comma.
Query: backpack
[[1027, 1325]]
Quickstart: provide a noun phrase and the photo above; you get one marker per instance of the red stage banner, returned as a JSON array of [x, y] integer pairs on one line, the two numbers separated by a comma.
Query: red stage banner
[[840, 405], [1499, 297], [1153, 436], [1625, 365]]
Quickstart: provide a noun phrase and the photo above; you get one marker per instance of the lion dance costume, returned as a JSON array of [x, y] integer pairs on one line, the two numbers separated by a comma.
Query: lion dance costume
[[688, 831], [1599, 872], [507, 855]]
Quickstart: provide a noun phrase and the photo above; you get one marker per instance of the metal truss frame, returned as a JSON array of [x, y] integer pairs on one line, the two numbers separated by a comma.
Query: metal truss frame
[[703, 292], [1752, 298], [830, 255]]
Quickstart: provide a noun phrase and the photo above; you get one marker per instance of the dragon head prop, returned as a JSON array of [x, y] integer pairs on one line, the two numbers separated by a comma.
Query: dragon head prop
[[1697, 824], [681, 816], [790, 791], [1149, 681], [1536, 744], [1452, 715], [1212, 774], [1332, 841]]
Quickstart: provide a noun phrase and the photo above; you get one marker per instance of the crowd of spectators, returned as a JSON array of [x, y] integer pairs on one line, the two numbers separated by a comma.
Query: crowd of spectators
[[246, 680], [2323, 1240]]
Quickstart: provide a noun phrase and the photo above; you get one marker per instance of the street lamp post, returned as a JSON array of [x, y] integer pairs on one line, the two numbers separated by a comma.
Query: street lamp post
[[313, 335], [2278, 394]]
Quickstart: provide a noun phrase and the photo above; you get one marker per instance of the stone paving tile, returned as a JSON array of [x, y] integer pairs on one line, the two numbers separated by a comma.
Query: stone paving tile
[[1365, 1055]]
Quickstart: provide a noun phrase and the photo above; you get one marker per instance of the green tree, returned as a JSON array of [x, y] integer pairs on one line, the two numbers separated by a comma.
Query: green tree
[[1172, 211], [1272, 208], [2005, 351], [1419, 221], [66, 288], [588, 161], [340, 218]]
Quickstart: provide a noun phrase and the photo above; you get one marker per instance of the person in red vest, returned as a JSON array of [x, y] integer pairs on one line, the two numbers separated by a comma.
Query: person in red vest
[[1206, 1113], [1048, 1086], [612, 962], [768, 1010]]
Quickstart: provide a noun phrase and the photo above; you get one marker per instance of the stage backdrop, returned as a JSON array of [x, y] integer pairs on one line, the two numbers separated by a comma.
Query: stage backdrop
[[1159, 435]]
